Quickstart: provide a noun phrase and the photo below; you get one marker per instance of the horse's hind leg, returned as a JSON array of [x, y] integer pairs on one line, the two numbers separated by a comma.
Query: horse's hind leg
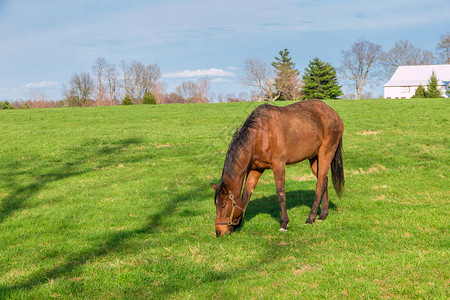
[[324, 210], [279, 172], [323, 165]]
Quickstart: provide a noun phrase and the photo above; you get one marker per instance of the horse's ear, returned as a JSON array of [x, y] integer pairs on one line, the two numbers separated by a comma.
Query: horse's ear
[[215, 186]]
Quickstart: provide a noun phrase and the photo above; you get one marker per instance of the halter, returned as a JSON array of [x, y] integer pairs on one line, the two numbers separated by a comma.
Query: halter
[[230, 221]]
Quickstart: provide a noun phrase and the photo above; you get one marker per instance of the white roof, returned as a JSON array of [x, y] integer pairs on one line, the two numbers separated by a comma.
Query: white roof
[[419, 75]]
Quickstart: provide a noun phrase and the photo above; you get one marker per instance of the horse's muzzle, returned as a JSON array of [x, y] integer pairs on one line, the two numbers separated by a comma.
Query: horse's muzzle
[[222, 230]]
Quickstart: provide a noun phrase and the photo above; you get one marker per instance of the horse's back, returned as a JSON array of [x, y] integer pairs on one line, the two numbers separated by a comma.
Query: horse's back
[[296, 132], [314, 113]]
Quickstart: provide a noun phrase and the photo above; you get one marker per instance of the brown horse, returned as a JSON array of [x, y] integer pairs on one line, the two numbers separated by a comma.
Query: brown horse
[[271, 138]]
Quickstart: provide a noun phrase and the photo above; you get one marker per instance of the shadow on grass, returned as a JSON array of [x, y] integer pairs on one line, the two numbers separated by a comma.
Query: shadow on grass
[[270, 205], [44, 171], [109, 155], [89, 156], [16, 200], [116, 240], [107, 246]]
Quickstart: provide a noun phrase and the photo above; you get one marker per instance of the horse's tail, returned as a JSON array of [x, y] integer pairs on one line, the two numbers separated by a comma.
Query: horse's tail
[[337, 171]]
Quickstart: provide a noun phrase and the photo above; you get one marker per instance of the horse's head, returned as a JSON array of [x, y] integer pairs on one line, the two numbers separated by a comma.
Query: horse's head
[[229, 210]]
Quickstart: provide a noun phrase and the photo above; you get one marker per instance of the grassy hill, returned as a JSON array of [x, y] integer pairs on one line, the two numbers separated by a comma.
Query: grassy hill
[[115, 202]]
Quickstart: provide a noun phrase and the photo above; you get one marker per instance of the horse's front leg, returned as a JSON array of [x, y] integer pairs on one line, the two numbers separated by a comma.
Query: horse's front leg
[[250, 184], [280, 175]]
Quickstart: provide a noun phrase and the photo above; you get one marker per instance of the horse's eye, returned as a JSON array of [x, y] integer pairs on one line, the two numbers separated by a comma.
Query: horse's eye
[[221, 205]]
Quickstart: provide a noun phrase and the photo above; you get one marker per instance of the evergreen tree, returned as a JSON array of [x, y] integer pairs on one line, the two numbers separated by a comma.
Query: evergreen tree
[[286, 81], [127, 101], [149, 98], [432, 87], [6, 105], [320, 81], [420, 92]]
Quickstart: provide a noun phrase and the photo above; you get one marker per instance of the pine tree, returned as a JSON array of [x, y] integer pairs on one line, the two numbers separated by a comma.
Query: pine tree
[[286, 82], [320, 81], [127, 101], [432, 87], [420, 92], [149, 98], [6, 105]]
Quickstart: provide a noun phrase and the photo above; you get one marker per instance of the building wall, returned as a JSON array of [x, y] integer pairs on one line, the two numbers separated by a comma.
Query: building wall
[[399, 92]]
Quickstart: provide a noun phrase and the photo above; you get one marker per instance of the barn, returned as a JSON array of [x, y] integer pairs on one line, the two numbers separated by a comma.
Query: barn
[[406, 79]]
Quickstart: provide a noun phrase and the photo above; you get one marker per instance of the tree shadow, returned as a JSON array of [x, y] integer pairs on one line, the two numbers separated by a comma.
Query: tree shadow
[[109, 154], [45, 172], [42, 172], [104, 247]]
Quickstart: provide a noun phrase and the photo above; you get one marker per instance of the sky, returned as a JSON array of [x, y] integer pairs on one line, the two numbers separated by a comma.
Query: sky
[[43, 43]]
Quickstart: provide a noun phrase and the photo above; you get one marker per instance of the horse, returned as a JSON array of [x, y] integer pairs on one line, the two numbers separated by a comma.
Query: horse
[[271, 138]]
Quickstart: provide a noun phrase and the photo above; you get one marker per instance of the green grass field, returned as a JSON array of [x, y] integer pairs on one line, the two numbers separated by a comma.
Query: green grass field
[[116, 202]]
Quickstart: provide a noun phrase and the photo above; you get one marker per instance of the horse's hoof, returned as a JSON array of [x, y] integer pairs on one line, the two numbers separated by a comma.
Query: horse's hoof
[[322, 218], [283, 230]]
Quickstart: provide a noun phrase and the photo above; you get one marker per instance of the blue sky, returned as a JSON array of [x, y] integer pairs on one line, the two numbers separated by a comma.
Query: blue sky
[[43, 43]]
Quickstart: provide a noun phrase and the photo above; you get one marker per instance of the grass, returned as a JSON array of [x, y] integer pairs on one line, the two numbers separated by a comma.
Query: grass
[[115, 202]]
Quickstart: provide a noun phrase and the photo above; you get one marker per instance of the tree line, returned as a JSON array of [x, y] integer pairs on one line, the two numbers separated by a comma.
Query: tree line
[[110, 85], [281, 80], [364, 63], [128, 84]]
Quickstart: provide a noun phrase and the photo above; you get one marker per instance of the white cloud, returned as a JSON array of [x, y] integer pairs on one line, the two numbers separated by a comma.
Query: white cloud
[[221, 80], [41, 84], [212, 72]]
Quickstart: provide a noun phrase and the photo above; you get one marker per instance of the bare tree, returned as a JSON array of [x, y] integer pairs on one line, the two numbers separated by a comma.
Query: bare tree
[[99, 70], [405, 54], [427, 58], [360, 63], [142, 78], [84, 85], [243, 96], [293, 87], [231, 97], [187, 90], [111, 77], [37, 98], [443, 48], [151, 78], [194, 92], [255, 96], [203, 90], [127, 83], [137, 72], [159, 90], [174, 98], [260, 75], [402, 54], [221, 96], [80, 90]]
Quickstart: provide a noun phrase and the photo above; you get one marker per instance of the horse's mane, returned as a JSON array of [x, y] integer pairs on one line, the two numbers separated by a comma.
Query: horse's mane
[[241, 139]]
